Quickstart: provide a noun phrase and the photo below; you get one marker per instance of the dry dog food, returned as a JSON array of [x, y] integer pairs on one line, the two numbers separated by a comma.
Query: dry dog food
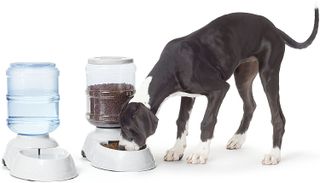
[[112, 145], [106, 102], [115, 145]]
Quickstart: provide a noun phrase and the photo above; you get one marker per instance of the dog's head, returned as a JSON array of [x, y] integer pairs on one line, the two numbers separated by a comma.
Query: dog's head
[[137, 124]]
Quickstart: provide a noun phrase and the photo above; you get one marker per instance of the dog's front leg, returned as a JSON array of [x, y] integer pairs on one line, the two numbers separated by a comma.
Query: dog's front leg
[[176, 152], [201, 153]]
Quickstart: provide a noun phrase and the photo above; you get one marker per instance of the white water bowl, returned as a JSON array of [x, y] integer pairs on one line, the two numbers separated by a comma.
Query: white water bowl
[[51, 164], [122, 161]]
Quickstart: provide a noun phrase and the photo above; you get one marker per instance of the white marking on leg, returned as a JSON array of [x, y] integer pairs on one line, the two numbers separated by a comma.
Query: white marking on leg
[[128, 145], [200, 154], [142, 94], [273, 157], [236, 141], [176, 152]]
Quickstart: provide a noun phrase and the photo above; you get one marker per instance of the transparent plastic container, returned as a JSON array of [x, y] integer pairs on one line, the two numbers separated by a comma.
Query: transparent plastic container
[[33, 98], [110, 86]]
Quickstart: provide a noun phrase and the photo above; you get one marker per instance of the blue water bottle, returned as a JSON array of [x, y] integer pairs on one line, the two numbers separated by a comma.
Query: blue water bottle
[[33, 98]]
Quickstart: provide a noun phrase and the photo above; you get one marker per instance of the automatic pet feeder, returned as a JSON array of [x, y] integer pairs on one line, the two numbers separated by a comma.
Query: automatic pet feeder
[[110, 85], [33, 112]]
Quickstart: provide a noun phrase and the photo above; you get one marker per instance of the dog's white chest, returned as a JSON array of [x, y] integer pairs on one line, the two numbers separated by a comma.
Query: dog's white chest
[[184, 94]]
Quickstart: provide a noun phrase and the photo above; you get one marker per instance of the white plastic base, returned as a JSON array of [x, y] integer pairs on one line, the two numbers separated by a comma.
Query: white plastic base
[[114, 160], [22, 142], [122, 161], [52, 164], [96, 137], [38, 158]]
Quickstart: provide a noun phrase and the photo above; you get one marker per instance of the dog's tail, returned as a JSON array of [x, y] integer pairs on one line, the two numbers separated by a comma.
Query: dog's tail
[[294, 44]]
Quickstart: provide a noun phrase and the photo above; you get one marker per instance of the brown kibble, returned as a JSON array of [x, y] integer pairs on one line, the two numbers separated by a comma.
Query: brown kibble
[[106, 102], [112, 145], [115, 145]]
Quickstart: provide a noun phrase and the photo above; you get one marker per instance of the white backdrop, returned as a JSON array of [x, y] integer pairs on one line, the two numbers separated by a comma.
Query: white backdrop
[[69, 32]]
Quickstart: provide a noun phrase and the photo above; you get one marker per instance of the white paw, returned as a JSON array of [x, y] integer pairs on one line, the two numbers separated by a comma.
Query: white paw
[[174, 154], [272, 158], [201, 153], [236, 141], [197, 158]]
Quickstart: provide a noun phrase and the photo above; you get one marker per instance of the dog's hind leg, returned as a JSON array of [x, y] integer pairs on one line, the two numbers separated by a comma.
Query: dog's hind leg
[[244, 76], [269, 67], [215, 98], [176, 152]]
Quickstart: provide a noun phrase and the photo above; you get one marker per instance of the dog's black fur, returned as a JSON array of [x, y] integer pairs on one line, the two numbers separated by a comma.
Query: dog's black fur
[[200, 63], [138, 123]]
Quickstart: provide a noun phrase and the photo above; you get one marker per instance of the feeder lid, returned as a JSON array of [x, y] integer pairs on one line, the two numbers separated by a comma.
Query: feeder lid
[[109, 60], [22, 68], [32, 64]]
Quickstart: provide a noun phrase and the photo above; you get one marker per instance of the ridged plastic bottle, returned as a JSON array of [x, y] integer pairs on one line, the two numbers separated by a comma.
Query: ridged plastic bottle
[[33, 98]]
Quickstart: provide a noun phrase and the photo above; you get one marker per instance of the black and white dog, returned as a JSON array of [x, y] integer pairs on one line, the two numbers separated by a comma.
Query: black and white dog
[[200, 64]]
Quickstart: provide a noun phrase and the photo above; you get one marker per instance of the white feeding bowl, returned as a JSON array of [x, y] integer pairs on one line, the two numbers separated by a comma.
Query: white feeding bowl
[[122, 161], [51, 164]]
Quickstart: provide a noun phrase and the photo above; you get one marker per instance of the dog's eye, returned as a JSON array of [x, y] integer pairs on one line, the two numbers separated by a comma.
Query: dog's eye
[[127, 129], [127, 135], [130, 139]]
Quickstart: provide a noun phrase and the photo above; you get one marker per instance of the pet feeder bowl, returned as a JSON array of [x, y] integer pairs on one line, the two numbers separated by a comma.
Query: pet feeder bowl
[[110, 86], [118, 160], [33, 102]]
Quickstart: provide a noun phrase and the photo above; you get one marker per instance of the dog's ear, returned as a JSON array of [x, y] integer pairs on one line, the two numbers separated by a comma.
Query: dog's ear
[[148, 121], [138, 122], [125, 104]]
